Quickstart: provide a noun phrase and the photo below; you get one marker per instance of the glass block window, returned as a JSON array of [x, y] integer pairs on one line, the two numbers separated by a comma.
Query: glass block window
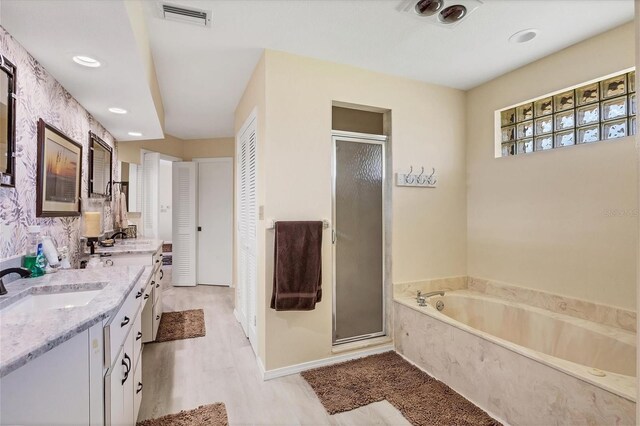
[[593, 112]]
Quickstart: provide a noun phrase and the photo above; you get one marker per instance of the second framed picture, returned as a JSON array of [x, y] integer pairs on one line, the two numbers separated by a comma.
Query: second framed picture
[[59, 173]]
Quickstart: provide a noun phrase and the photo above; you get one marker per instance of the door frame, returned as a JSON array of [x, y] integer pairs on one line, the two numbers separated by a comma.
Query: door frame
[[367, 138], [233, 205]]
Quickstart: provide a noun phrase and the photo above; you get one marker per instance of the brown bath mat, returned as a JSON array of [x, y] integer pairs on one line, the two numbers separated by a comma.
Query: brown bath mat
[[181, 325], [210, 415], [421, 399]]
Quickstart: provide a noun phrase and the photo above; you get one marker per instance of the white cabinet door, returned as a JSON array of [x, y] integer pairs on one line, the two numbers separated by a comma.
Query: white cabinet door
[[184, 223], [52, 388], [119, 388]]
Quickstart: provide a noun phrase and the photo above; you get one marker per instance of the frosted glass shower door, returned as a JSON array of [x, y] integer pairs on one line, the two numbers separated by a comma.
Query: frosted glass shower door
[[358, 219]]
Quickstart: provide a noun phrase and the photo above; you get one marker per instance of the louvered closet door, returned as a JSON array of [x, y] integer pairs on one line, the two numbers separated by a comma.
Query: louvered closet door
[[184, 223], [252, 219], [151, 168], [247, 232]]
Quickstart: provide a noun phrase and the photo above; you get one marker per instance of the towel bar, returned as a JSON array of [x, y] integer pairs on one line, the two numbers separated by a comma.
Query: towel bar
[[271, 224]]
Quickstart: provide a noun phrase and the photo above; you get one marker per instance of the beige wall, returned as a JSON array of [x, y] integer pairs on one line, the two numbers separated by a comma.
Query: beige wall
[[565, 220], [429, 225], [254, 99], [186, 149]]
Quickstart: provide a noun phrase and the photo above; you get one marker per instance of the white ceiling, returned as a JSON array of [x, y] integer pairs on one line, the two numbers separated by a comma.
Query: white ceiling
[[202, 72], [53, 31]]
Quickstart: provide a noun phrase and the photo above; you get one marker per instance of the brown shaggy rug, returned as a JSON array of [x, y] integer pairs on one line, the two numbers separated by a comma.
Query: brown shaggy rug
[[181, 325], [420, 398], [210, 415]]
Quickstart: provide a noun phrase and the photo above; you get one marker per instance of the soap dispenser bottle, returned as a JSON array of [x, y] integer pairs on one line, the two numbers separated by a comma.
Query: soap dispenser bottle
[[34, 259]]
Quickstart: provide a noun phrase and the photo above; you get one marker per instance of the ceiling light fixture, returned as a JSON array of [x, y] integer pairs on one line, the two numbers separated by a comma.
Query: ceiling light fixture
[[135, 134], [452, 14], [428, 7], [524, 36], [117, 110], [86, 61]]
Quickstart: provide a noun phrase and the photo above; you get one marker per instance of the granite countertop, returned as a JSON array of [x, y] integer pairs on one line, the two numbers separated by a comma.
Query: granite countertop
[[27, 335], [129, 246]]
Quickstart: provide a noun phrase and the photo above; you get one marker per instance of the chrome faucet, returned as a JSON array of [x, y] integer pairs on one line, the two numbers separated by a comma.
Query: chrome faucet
[[23, 272], [422, 298], [120, 233]]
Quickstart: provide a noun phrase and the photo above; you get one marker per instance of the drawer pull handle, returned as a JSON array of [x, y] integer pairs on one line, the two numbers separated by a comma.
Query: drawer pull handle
[[139, 335], [127, 365], [125, 322], [153, 282], [157, 285], [146, 296], [138, 294], [157, 317], [161, 274], [157, 260], [139, 387]]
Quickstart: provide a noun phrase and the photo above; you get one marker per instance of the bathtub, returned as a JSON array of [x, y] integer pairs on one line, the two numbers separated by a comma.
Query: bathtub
[[522, 364]]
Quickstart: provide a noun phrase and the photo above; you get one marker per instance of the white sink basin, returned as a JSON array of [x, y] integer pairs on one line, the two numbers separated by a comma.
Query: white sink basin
[[40, 302]]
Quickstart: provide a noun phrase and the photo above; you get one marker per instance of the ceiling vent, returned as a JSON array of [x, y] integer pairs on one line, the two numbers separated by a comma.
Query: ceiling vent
[[443, 13], [188, 15]]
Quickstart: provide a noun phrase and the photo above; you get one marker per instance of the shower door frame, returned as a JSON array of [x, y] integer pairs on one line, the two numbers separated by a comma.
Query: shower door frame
[[373, 139]]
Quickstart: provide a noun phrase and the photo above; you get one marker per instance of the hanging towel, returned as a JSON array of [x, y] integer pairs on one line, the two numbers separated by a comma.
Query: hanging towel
[[297, 272]]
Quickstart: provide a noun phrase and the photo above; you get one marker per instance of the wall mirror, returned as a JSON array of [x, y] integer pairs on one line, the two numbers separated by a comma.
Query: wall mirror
[[100, 164], [7, 122]]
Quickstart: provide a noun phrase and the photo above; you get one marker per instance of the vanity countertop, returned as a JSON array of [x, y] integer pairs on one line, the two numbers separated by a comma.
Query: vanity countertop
[[130, 246], [25, 336]]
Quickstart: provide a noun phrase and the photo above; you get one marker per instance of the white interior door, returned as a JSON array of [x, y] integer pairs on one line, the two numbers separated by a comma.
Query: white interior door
[[247, 228], [215, 221], [151, 168], [185, 187]]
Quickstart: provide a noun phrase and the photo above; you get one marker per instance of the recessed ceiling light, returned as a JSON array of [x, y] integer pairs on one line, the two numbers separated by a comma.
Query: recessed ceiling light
[[86, 61], [524, 36], [117, 110], [452, 14], [428, 7], [135, 134]]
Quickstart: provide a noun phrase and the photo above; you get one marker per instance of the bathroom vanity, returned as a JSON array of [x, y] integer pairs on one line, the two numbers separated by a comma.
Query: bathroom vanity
[[71, 348]]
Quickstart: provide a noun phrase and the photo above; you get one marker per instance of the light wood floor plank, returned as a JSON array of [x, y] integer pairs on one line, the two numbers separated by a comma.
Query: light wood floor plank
[[221, 367]]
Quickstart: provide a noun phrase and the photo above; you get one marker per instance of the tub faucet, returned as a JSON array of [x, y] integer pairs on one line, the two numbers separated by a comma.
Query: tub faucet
[[422, 298], [23, 272]]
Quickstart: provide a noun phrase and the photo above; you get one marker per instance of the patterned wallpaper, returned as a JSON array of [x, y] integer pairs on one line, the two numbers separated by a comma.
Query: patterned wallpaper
[[41, 96]]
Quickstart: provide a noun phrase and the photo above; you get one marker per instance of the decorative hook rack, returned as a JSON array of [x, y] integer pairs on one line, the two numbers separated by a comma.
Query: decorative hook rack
[[421, 180]]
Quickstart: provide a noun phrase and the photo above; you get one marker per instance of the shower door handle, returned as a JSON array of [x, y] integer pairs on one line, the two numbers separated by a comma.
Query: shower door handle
[[333, 236]]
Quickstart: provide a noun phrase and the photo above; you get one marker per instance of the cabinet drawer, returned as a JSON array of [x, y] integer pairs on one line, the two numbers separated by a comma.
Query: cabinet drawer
[[147, 321], [157, 314], [117, 329], [137, 395], [137, 339], [157, 257], [157, 287]]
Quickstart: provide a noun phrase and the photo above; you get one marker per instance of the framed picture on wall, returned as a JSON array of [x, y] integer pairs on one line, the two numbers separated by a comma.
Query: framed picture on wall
[[59, 172]]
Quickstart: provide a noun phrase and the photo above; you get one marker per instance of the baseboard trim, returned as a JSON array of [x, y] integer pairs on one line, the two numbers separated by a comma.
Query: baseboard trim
[[297, 368], [495, 417]]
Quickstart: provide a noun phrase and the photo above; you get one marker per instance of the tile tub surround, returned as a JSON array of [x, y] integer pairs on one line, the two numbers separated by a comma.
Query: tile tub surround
[[425, 286], [518, 385], [24, 337], [603, 314]]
